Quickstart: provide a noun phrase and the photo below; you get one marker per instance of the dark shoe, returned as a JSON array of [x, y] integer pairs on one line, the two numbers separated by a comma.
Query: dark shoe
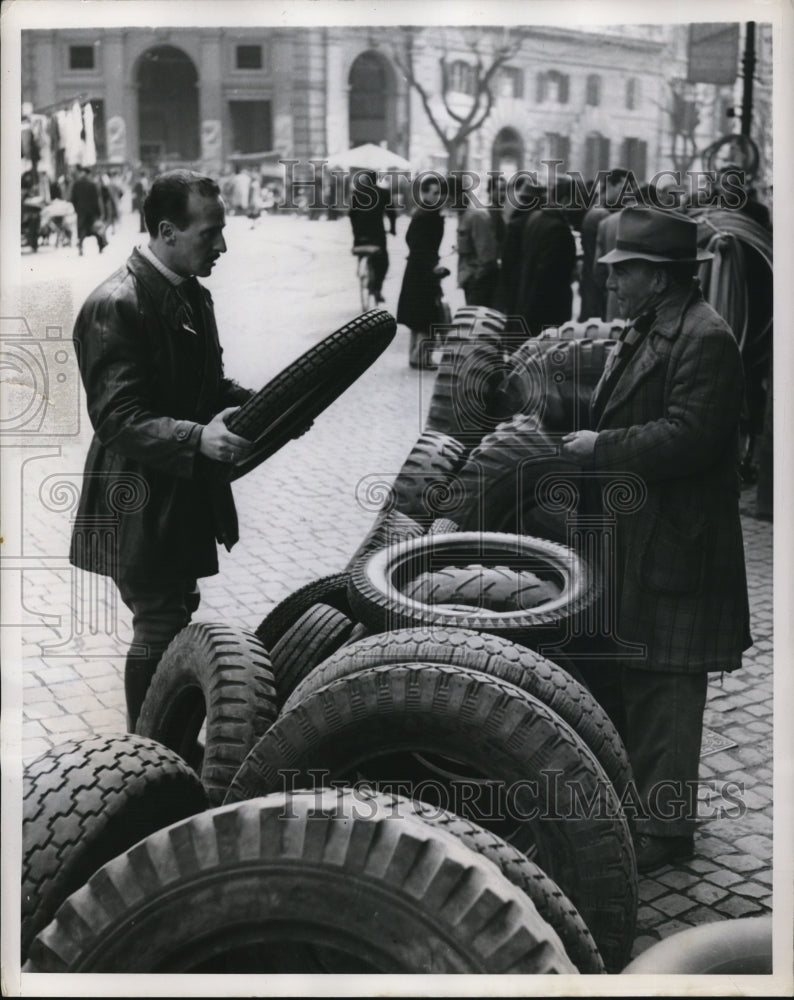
[[654, 852]]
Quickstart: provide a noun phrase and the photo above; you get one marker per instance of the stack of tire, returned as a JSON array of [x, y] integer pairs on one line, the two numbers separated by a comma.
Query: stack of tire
[[389, 775], [125, 869]]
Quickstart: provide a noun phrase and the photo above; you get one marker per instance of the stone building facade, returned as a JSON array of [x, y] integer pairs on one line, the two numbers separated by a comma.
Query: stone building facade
[[593, 98]]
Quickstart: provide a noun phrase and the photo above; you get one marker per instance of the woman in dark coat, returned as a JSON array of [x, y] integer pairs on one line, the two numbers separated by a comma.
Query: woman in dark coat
[[417, 304]]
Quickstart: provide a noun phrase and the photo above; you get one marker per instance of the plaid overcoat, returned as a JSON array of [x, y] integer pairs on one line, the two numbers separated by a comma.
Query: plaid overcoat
[[671, 419]]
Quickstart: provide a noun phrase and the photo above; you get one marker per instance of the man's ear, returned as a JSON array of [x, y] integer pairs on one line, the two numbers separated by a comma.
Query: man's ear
[[661, 280], [167, 232]]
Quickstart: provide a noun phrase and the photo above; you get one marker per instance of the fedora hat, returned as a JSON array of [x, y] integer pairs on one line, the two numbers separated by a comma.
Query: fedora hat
[[655, 235]]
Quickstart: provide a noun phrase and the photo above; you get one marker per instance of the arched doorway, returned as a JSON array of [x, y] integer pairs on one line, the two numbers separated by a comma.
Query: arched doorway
[[168, 106], [371, 100], [508, 152]]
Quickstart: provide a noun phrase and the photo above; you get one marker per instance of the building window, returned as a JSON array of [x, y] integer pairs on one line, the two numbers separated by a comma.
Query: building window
[[252, 128], [634, 158], [632, 93], [249, 57], [511, 82], [593, 90], [552, 86], [558, 147], [462, 78], [81, 57], [596, 154]]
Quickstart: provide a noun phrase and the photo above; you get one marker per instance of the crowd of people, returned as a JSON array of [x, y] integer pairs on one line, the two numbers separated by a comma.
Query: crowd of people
[[523, 255], [83, 202]]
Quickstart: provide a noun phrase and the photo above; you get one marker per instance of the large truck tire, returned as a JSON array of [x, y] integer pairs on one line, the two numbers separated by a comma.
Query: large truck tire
[[86, 801], [251, 887], [216, 679], [492, 750], [499, 658], [286, 407]]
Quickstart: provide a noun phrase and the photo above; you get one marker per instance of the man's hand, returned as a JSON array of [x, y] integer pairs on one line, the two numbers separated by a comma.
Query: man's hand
[[218, 442], [579, 445]]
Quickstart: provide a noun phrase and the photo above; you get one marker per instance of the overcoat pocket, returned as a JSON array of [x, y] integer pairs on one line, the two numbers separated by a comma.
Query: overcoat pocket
[[674, 557]]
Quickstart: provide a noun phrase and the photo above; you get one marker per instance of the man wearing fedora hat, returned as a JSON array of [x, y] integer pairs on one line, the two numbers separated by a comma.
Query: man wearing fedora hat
[[666, 412]]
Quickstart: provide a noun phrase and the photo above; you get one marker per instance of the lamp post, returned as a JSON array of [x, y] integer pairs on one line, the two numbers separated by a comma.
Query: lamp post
[[748, 71]]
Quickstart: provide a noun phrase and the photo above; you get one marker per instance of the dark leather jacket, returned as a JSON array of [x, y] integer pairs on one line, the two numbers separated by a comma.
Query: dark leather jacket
[[151, 507]]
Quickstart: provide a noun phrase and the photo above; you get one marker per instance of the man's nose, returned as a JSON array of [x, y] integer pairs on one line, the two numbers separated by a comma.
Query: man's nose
[[611, 283], [220, 244]]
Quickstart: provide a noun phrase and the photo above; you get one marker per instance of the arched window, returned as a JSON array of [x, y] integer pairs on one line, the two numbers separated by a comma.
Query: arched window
[[369, 99], [507, 154], [593, 97], [168, 107]]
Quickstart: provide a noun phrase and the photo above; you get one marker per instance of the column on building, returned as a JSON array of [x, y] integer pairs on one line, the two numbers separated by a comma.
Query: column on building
[[44, 70], [337, 88], [283, 74], [211, 110], [119, 99]]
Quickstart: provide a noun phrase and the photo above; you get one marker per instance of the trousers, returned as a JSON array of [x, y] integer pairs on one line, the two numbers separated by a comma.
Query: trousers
[[379, 264], [659, 717], [160, 609]]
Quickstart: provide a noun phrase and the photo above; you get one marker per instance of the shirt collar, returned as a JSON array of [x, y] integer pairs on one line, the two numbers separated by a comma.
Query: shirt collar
[[171, 276], [670, 313]]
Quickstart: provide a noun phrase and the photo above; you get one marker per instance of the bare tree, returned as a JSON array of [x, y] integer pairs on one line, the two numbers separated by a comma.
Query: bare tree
[[684, 120], [487, 51]]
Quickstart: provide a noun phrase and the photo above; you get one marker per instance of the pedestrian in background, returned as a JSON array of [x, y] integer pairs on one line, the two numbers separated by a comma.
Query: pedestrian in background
[[85, 197], [497, 190], [525, 198], [544, 296], [370, 207], [417, 306], [593, 294], [666, 411], [139, 191], [478, 250], [157, 397]]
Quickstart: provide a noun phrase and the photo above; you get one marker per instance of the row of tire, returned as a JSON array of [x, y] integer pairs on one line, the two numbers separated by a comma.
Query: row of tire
[[413, 667]]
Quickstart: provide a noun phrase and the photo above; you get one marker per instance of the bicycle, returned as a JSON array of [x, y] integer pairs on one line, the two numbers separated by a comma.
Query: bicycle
[[364, 274]]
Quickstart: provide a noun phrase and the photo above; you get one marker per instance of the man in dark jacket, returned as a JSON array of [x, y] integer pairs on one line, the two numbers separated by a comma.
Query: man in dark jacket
[[154, 499], [478, 251], [524, 200], [88, 209], [544, 296], [369, 206], [665, 448], [593, 292]]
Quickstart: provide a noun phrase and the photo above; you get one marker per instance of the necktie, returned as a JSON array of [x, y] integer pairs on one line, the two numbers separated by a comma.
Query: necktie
[[190, 293]]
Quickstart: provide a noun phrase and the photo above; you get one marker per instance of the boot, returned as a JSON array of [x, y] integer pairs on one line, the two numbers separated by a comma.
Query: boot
[[419, 356]]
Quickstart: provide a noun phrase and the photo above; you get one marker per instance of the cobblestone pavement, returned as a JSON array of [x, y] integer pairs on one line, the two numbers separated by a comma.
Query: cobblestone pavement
[[285, 283]]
